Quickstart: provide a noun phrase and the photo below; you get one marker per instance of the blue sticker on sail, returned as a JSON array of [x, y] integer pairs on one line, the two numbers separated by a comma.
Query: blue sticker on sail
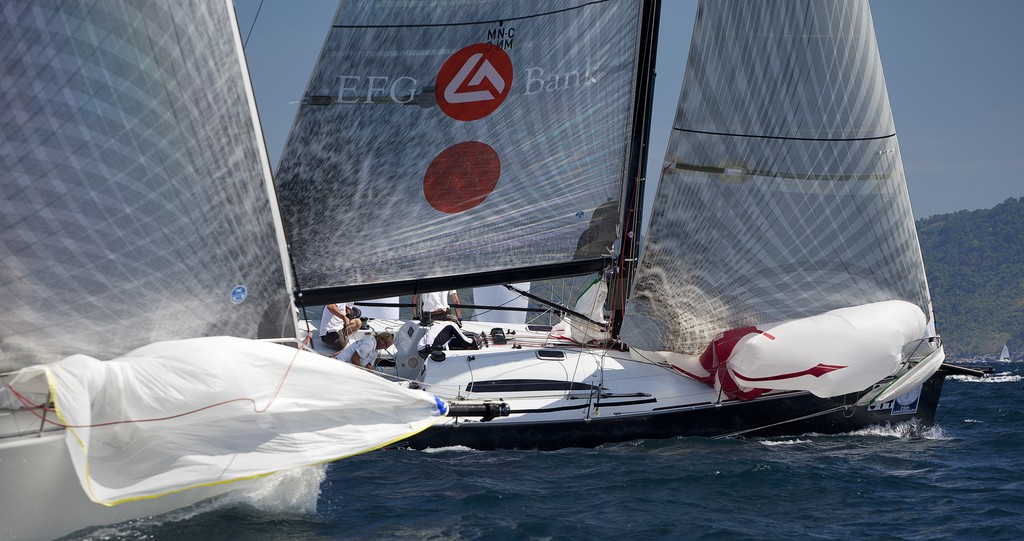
[[906, 403], [579, 215], [238, 294]]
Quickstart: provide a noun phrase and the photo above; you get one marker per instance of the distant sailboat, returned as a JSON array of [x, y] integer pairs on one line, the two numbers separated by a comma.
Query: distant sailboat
[[1004, 356]]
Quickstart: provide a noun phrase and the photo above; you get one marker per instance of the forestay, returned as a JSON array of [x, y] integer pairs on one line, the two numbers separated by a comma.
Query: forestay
[[460, 138], [135, 193], [188, 413], [782, 195]]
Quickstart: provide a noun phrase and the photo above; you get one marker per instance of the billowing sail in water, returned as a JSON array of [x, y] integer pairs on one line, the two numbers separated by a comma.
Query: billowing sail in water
[[782, 199], [481, 139], [123, 220], [256, 408]]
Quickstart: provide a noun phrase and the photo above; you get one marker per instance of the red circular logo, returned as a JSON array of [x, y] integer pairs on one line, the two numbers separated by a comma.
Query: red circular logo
[[461, 176], [473, 82]]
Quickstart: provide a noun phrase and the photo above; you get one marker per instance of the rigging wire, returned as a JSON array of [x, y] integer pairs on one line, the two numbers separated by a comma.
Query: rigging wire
[[477, 314], [591, 406], [810, 416], [253, 25], [976, 386]]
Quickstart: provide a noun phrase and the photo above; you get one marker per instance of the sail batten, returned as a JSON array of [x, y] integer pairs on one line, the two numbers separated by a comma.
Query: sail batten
[[782, 194]]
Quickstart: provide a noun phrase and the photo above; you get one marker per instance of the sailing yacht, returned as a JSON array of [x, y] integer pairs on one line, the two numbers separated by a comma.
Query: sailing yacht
[[1004, 355], [139, 227], [780, 288]]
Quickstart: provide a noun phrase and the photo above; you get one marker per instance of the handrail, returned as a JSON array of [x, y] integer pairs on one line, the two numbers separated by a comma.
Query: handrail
[[935, 342]]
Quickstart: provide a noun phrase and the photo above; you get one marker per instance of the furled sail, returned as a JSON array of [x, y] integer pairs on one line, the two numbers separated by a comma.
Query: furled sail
[[460, 138], [782, 196], [135, 193]]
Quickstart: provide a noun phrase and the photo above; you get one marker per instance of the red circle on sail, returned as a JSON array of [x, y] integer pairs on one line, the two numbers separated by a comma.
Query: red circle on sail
[[461, 177], [473, 82]]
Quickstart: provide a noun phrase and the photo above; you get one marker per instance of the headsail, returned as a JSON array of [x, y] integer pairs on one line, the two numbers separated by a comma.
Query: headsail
[[783, 194], [135, 192], [481, 139]]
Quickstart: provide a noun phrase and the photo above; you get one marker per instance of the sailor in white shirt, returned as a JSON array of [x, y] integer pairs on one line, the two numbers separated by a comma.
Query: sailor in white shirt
[[439, 335], [435, 305], [363, 352], [338, 322]]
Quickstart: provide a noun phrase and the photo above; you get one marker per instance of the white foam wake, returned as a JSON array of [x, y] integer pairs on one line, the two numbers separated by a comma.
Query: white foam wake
[[1002, 377]]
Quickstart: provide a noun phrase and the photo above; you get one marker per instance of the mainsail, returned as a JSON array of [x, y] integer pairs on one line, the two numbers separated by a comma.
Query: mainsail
[[135, 204], [782, 194], [481, 139]]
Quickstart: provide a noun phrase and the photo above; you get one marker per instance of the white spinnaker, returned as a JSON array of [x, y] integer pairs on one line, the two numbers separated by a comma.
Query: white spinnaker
[[214, 410], [838, 352]]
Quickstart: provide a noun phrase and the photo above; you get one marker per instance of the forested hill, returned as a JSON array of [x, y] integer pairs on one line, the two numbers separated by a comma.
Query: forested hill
[[975, 265]]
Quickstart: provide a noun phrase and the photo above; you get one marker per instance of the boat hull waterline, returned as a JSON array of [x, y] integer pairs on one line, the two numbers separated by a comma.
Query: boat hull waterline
[[791, 414], [563, 395]]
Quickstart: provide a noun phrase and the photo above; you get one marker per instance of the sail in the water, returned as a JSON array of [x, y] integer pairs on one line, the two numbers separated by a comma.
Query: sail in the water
[[1004, 355], [184, 414], [782, 202], [124, 221], [481, 139]]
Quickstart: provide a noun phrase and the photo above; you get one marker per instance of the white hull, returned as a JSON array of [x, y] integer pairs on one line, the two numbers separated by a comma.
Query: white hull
[[551, 382], [42, 498]]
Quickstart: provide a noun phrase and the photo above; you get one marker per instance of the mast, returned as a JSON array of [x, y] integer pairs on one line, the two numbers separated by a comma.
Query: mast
[[632, 212]]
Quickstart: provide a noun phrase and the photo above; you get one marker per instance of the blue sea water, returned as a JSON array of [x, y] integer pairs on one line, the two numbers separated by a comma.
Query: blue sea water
[[961, 480]]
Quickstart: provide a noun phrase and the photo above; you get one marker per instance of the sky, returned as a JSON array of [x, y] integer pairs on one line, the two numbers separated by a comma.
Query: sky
[[954, 71]]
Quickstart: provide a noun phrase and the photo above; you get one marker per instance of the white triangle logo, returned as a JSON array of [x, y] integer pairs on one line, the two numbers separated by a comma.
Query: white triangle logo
[[452, 92]]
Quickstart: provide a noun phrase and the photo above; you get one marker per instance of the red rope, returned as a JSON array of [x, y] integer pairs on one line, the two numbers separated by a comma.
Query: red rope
[[31, 407]]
